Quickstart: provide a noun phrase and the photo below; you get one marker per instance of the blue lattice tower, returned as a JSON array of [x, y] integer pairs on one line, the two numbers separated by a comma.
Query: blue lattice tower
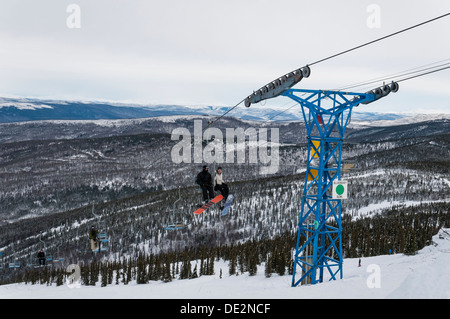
[[326, 115], [319, 240]]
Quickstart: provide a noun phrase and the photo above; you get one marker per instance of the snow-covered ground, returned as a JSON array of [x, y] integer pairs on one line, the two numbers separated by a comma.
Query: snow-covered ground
[[425, 275]]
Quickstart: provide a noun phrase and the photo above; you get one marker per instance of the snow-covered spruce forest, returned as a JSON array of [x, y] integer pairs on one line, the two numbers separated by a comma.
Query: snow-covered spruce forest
[[399, 195]]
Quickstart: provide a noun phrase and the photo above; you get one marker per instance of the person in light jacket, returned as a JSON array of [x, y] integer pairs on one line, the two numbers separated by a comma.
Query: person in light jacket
[[219, 185]]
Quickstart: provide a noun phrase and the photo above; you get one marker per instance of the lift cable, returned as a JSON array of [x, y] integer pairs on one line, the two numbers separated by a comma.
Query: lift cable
[[393, 75], [422, 74], [221, 116], [343, 52], [382, 38], [399, 74], [210, 123]]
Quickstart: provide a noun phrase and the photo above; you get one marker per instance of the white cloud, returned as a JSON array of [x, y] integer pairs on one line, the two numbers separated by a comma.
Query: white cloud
[[207, 52]]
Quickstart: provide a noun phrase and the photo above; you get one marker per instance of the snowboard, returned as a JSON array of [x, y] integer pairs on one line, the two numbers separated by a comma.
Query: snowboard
[[213, 201], [227, 206], [175, 226]]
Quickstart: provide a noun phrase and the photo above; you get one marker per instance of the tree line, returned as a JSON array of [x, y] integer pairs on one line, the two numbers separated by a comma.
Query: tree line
[[396, 230]]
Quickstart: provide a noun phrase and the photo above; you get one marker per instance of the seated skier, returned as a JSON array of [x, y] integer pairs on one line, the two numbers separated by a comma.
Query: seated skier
[[204, 179], [41, 257], [220, 186]]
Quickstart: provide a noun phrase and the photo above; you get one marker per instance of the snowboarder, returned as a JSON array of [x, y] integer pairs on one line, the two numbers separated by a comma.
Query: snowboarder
[[41, 257], [93, 236], [204, 179], [219, 185]]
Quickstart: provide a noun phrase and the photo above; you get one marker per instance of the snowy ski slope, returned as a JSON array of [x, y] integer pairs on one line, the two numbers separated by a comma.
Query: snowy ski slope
[[424, 275]]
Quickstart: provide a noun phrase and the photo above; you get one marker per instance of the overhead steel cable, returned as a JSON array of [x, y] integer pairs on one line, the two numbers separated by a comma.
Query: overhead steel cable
[[379, 39], [330, 57], [397, 75], [422, 74], [283, 83], [221, 116]]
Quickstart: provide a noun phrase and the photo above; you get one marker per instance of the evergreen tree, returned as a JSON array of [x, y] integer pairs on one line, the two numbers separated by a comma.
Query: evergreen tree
[[232, 264], [104, 275], [93, 273], [194, 273], [129, 273], [185, 271], [167, 275], [268, 266], [411, 245], [141, 277]]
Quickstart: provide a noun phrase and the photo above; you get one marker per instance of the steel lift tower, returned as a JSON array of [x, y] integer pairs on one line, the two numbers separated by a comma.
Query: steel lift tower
[[326, 115], [319, 239]]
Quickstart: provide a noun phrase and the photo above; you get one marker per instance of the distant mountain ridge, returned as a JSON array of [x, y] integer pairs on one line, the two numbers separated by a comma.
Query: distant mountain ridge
[[25, 110]]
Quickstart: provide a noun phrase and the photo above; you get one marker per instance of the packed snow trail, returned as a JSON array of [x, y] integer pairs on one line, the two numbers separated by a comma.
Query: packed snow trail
[[424, 275]]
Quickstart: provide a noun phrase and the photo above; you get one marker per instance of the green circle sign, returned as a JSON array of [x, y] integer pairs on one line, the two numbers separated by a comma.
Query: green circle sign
[[340, 189]]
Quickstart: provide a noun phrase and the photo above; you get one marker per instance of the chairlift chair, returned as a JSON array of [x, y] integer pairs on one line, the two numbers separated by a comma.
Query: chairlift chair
[[58, 259], [197, 187], [176, 225], [103, 241], [48, 257], [102, 237], [32, 264], [348, 165]]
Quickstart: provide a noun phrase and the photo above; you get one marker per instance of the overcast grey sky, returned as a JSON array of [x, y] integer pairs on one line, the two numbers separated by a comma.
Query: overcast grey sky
[[207, 52]]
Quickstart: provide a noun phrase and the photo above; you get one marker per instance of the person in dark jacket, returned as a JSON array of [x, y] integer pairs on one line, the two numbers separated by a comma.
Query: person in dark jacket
[[41, 257], [204, 179]]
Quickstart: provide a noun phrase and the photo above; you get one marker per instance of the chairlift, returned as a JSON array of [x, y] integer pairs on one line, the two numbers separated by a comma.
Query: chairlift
[[104, 240], [13, 262], [48, 257], [175, 225], [58, 259], [13, 265], [348, 165], [30, 263], [198, 188], [102, 237]]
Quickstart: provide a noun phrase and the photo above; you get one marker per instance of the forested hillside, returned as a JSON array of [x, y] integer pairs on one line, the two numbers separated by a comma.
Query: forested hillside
[[127, 186]]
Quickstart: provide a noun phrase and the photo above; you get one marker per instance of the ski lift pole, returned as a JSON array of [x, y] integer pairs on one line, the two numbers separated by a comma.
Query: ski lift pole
[[326, 115]]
